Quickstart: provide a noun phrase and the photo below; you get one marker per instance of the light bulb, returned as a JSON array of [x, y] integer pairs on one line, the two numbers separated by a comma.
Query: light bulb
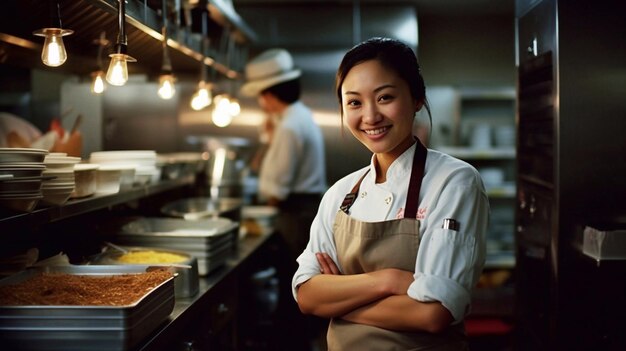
[[222, 104], [53, 53], [118, 70], [234, 108], [166, 86], [221, 117], [97, 87], [202, 97]]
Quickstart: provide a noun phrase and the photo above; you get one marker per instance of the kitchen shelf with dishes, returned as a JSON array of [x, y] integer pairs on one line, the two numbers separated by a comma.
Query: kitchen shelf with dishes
[[483, 135], [76, 207]]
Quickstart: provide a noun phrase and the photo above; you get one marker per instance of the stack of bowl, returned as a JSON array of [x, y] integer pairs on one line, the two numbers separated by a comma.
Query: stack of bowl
[[143, 161], [57, 191], [21, 177]]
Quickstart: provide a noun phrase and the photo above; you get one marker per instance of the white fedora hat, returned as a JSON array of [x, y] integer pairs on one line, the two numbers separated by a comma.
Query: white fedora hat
[[271, 67]]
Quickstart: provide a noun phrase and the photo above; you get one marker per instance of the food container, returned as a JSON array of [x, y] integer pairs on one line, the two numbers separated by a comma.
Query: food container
[[186, 281], [85, 179], [211, 241], [108, 180], [204, 207], [71, 327]]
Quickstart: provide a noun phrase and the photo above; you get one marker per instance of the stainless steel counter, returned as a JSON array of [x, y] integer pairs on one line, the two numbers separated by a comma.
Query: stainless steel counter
[[212, 304]]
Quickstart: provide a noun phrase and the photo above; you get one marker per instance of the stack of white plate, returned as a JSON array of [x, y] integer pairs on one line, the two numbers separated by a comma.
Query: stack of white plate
[[144, 162], [21, 177], [57, 191]]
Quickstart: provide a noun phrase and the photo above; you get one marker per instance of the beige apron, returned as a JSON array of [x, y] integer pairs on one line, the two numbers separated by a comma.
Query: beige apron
[[365, 247]]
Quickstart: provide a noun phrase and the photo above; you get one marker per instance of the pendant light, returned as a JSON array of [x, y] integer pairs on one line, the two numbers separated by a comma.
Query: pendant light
[[202, 97], [221, 116], [233, 108], [117, 73], [166, 79], [53, 53], [98, 85]]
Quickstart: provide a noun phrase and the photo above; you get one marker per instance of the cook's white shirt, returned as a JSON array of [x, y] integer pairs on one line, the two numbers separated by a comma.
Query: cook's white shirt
[[294, 162], [449, 263]]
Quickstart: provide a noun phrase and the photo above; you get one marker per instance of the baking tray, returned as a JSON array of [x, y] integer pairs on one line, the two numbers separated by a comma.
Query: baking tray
[[186, 282], [195, 246], [208, 259], [71, 328], [206, 265]]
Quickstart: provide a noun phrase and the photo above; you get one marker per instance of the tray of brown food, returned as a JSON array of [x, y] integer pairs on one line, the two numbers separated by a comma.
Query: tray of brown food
[[186, 283], [83, 307]]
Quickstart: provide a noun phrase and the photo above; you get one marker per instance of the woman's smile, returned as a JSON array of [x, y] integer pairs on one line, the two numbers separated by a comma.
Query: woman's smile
[[377, 131]]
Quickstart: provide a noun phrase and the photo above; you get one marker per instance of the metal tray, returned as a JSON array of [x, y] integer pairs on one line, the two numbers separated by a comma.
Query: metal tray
[[206, 265], [196, 249], [176, 228], [186, 282], [208, 259], [72, 328], [204, 207]]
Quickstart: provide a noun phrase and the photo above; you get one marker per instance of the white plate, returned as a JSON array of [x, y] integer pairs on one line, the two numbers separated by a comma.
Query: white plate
[[8, 155]]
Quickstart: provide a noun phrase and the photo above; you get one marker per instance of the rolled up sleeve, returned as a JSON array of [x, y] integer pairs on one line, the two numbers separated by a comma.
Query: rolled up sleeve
[[449, 262]]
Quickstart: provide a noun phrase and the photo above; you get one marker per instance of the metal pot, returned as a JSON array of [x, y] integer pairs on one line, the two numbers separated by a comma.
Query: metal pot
[[228, 159]]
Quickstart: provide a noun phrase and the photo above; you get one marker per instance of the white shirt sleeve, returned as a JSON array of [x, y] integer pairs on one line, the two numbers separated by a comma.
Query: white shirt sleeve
[[450, 262]]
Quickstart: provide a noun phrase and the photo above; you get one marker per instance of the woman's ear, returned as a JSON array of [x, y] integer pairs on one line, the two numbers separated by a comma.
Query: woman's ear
[[418, 105]]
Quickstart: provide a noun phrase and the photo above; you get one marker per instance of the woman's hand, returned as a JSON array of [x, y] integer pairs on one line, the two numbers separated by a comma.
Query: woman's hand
[[327, 265], [393, 280]]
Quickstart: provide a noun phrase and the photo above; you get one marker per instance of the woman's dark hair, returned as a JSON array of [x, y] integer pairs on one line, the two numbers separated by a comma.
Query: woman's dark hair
[[287, 92], [392, 54]]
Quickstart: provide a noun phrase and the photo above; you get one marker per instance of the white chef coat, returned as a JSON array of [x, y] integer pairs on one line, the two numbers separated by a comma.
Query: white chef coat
[[449, 263], [294, 162]]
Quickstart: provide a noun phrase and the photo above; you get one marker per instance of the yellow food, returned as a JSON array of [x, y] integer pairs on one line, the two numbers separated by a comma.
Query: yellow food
[[149, 256]]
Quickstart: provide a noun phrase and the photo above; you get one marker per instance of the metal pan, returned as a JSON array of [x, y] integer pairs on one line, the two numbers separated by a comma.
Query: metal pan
[[84, 327], [186, 283]]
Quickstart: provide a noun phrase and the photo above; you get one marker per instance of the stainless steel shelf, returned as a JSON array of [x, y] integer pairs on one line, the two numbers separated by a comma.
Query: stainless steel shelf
[[77, 207]]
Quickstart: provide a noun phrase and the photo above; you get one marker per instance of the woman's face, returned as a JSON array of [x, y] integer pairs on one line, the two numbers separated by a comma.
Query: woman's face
[[378, 108]]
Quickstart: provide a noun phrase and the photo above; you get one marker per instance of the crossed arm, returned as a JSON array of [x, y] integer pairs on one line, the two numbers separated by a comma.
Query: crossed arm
[[376, 298]]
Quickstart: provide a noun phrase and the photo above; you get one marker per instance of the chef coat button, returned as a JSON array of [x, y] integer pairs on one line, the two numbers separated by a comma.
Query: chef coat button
[[388, 200], [363, 194]]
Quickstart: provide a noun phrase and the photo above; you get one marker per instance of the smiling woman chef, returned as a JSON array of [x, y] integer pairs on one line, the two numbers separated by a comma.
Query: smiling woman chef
[[397, 246]]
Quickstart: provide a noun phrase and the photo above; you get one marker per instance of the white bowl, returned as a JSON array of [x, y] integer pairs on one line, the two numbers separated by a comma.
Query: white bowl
[[85, 179], [108, 180], [56, 198], [19, 186], [127, 173], [20, 203]]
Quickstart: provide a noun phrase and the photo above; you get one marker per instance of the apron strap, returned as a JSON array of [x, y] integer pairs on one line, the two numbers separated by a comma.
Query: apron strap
[[415, 184], [348, 201]]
